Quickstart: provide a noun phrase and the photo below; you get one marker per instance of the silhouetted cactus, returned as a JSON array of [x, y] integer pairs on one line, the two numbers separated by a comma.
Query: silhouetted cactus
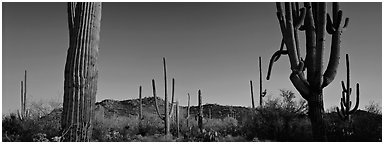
[[262, 94], [177, 119], [201, 115], [313, 16], [140, 105], [80, 76], [23, 113], [188, 109], [253, 101], [345, 111]]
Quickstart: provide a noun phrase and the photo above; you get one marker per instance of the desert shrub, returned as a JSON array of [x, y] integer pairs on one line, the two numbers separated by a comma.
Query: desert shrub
[[279, 119], [30, 129]]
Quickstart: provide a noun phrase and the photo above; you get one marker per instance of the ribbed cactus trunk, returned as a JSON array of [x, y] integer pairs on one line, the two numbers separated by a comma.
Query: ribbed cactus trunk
[[200, 120], [312, 19], [80, 77], [166, 105]]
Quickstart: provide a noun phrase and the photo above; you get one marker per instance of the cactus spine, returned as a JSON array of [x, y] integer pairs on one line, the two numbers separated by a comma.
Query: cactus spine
[[80, 77], [253, 102], [316, 22], [262, 94], [345, 103], [201, 115]]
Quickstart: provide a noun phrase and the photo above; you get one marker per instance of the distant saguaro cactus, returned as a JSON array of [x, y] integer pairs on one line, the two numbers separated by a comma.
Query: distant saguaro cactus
[[262, 94], [345, 111], [177, 119], [253, 101], [188, 108], [312, 19], [80, 76], [201, 115], [140, 105], [23, 113]]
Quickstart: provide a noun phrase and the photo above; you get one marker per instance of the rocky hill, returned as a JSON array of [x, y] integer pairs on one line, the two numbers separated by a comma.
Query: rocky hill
[[108, 108], [130, 107]]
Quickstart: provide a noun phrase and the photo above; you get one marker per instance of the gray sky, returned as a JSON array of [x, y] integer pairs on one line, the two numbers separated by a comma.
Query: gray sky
[[209, 46]]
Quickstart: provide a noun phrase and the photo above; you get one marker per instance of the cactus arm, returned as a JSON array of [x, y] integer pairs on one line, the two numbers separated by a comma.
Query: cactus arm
[[297, 22], [280, 17], [281, 49], [300, 85], [154, 95], [319, 50], [275, 57], [300, 19], [173, 96], [289, 37], [330, 28], [357, 98], [310, 34], [333, 63]]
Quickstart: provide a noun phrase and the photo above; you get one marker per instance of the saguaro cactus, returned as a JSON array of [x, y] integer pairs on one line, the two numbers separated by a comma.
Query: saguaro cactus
[[177, 119], [262, 94], [167, 112], [140, 105], [23, 113], [312, 19], [345, 103], [80, 77], [201, 115], [188, 108], [253, 101]]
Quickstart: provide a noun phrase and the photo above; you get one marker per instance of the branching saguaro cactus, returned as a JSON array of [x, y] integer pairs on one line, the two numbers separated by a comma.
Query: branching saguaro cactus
[[167, 113], [80, 77], [345, 111], [201, 115], [262, 94], [312, 19], [23, 113]]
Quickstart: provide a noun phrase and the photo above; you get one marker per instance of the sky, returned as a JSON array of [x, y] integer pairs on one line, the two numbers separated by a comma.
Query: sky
[[213, 47]]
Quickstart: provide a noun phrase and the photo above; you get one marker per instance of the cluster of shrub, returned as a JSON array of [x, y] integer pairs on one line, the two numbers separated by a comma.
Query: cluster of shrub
[[280, 119]]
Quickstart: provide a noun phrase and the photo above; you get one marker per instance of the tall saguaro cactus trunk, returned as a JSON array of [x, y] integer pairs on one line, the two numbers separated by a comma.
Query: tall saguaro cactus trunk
[[312, 19], [262, 94], [253, 101], [23, 113], [201, 115], [80, 77]]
